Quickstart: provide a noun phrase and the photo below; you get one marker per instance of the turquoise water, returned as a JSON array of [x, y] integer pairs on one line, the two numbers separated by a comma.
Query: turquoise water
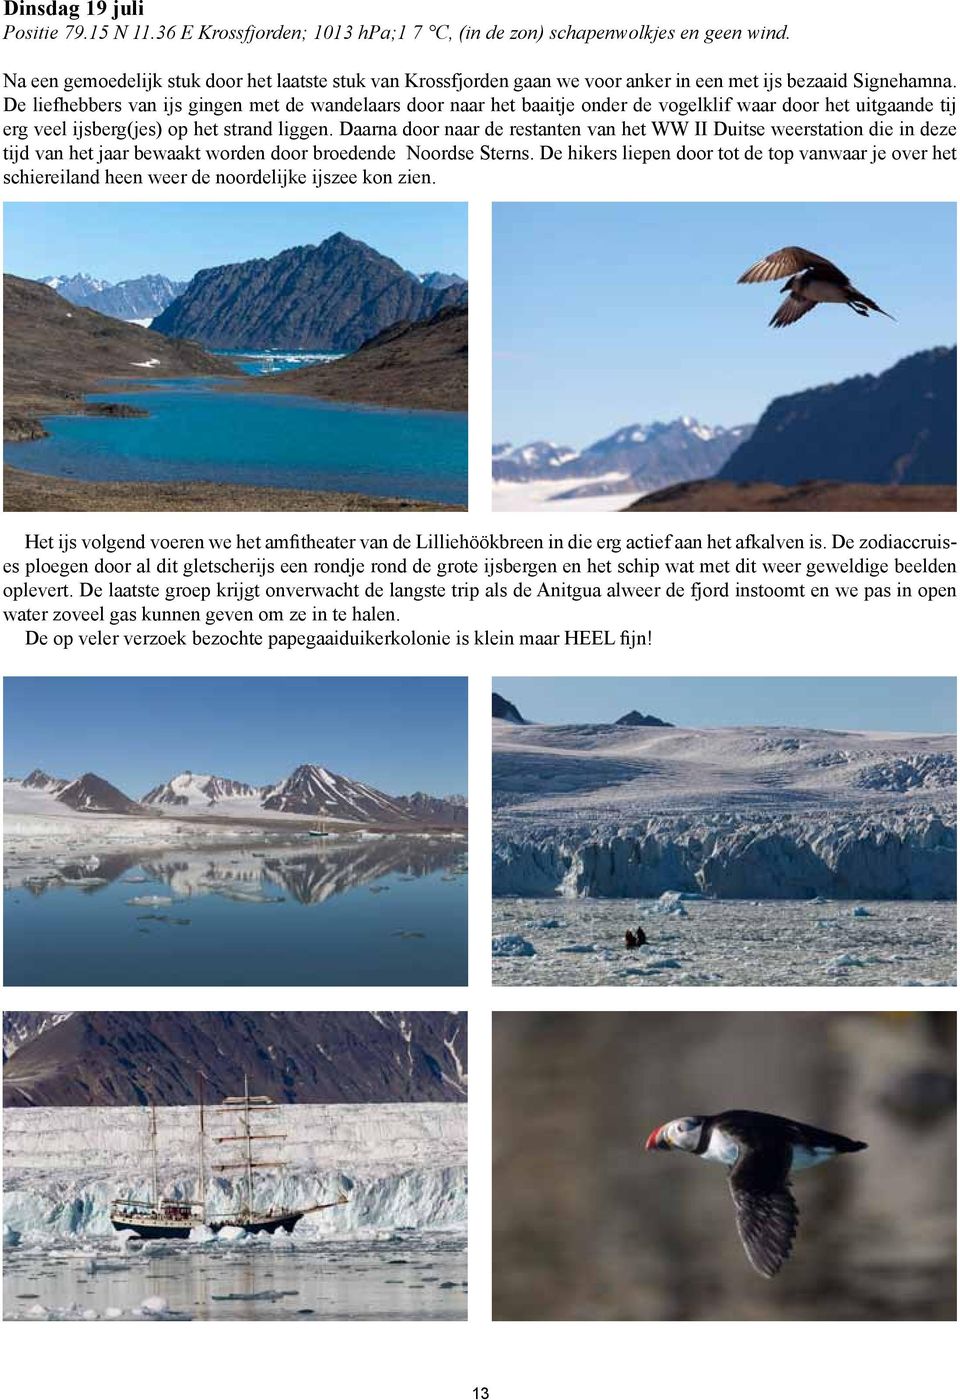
[[275, 361], [193, 432]]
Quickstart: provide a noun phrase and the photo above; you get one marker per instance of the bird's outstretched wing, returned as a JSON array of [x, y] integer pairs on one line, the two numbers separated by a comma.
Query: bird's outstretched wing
[[786, 262], [790, 310], [767, 1214]]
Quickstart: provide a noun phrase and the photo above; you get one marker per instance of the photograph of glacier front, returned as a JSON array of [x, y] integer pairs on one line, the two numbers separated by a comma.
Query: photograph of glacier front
[[225, 1166], [333, 852], [724, 831]]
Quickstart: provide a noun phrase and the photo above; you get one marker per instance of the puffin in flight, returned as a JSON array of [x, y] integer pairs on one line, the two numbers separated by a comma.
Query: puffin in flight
[[812, 279], [759, 1150]]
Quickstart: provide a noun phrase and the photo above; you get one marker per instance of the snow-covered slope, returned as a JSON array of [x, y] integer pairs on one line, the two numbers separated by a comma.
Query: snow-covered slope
[[401, 1165], [198, 790], [741, 813], [315, 791]]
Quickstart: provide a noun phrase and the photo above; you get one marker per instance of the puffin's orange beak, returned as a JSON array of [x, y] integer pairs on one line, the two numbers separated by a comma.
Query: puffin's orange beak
[[656, 1142]]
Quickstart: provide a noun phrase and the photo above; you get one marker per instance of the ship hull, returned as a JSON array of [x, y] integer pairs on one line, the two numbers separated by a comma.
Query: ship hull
[[267, 1225], [154, 1232]]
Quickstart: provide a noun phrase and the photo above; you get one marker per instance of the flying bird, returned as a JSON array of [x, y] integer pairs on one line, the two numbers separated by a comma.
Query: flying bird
[[812, 279], [759, 1150]]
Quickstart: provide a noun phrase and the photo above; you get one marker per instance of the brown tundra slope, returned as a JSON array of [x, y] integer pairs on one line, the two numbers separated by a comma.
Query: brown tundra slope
[[54, 353], [419, 364]]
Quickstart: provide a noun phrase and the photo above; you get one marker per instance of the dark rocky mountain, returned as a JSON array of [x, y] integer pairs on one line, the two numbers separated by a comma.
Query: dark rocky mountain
[[54, 353], [332, 296], [91, 793], [111, 1058], [197, 789], [649, 457], [315, 791], [895, 428], [635, 720], [20, 1027], [39, 781], [137, 299], [504, 709], [420, 364], [640, 457], [450, 810]]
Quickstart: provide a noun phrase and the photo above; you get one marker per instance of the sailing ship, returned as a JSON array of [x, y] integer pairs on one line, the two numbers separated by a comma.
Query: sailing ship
[[159, 1218]]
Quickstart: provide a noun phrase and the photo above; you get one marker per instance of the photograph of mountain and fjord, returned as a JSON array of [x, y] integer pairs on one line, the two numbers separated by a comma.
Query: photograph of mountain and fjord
[[301, 1166], [235, 831], [725, 831], [724, 357], [286, 357]]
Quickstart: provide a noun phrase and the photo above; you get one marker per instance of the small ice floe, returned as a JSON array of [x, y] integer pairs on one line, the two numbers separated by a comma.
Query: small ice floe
[[229, 1233], [511, 945], [38, 1312], [154, 1306], [266, 1295], [150, 901], [144, 364], [549, 923], [843, 961], [662, 965], [111, 1314], [859, 912], [11, 1237], [202, 1234], [578, 948], [669, 902], [250, 897]]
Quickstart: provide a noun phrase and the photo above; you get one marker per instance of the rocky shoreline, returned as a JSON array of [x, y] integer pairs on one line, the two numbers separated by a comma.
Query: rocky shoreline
[[29, 491]]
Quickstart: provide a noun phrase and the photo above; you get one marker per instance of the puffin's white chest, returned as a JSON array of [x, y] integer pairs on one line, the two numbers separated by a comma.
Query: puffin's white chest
[[721, 1148]]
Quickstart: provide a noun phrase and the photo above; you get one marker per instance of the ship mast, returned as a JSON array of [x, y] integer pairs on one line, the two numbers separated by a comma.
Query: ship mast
[[244, 1107], [153, 1154], [201, 1163]]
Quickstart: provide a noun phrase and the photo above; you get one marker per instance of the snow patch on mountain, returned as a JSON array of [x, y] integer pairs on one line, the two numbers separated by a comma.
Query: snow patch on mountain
[[197, 789]]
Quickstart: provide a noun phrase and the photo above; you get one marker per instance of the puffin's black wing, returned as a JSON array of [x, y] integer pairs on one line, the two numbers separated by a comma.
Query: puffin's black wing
[[787, 262], [767, 1214]]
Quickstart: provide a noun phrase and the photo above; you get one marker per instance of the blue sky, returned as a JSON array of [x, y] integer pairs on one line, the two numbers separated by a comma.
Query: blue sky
[[119, 241], [397, 733], [610, 314], [926, 704]]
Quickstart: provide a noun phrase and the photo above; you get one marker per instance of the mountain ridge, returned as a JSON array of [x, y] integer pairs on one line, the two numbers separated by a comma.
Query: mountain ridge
[[329, 296], [110, 1058]]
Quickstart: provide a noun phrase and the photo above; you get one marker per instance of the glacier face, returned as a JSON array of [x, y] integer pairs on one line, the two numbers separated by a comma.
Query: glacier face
[[747, 813], [730, 856], [402, 1166]]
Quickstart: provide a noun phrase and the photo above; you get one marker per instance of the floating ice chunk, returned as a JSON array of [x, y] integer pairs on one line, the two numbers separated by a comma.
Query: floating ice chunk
[[549, 923], [38, 1311], [859, 912], [11, 1237], [578, 948], [111, 1314], [151, 899], [844, 960], [662, 964], [155, 1306], [231, 1232], [201, 1234], [511, 945], [669, 902]]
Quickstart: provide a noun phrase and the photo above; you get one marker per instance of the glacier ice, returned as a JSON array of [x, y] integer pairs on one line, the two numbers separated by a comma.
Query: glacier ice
[[402, 1166]]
